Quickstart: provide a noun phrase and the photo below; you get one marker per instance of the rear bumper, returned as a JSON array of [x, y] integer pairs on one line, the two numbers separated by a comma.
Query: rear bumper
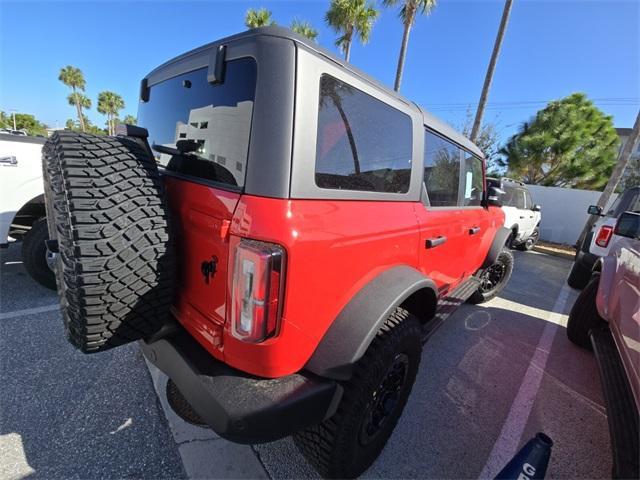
[[237, 406]]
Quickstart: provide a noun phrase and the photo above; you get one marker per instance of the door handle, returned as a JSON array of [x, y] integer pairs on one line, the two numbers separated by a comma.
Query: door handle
[[9, 160], [434, 242], [521, 217], [474, 230]]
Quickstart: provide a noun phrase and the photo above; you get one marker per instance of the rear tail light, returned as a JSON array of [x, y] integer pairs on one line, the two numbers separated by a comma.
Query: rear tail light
[[257, 290], [604, 235]]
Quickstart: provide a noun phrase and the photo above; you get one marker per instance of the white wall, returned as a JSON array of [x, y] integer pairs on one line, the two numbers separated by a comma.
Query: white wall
[[564, 211]]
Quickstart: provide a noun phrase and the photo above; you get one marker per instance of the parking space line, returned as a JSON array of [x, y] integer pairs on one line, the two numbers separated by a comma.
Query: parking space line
[[28, 311], [511, 434]]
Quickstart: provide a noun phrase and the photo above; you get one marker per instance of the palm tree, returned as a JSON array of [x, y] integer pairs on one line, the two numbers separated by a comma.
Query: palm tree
[[110, 104], [73, 78], [408, 15], [305, 29], [81, 99], [490, 69], [258, 18], [130, 120], [349, 17]]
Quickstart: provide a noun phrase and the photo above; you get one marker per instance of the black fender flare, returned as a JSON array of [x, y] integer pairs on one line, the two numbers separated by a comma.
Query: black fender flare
[[355, 327], [497, 245]]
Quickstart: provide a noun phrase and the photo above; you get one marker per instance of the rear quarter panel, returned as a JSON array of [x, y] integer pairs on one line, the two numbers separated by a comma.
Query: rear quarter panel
[[333, 249]]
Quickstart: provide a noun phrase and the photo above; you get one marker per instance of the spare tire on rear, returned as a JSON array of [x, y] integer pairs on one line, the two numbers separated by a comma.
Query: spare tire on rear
[[107, 210]]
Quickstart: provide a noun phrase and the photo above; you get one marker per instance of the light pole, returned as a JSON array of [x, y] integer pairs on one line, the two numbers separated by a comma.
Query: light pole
[[13, 113]]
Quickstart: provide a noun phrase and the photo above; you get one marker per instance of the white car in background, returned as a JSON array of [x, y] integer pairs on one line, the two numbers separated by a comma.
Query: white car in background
[[22, 211], [521, 215], [598, 241]]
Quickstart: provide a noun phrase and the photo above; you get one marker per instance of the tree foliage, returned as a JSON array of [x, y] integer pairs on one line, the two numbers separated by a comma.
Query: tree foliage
[[110, 104], [569, 143], [349, 18], [305, 29], [73, 78], [130, 120], [24, 121], [89, 127], [488, 141], [260, 17]]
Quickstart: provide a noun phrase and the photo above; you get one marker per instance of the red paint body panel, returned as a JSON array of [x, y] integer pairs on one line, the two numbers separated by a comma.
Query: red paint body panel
[[333, 249], [201, 217]]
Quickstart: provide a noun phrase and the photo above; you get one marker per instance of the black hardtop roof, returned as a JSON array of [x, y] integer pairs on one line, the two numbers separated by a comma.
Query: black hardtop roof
[[275, 31]]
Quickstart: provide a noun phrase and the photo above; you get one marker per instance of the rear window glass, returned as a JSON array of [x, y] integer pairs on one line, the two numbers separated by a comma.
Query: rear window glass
[[362, 143], [202, 130]]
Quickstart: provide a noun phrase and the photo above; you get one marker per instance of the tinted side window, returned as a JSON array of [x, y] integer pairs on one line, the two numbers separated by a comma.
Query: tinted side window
[[510, 196], [519, 199], [202, 130], [472, 180], [441, 171], [362, 143], [527, 200]]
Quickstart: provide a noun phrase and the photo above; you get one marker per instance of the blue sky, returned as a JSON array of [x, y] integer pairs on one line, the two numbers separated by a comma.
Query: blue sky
[[551, 49]]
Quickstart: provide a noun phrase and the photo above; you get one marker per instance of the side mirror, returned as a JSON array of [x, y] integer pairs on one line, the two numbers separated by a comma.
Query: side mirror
[[536, 208], [628, 225], [494, 196], [594, 210]]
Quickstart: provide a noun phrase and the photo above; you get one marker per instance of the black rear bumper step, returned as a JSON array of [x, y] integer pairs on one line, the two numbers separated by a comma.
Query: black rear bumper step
[[622, 413], [237, 406]]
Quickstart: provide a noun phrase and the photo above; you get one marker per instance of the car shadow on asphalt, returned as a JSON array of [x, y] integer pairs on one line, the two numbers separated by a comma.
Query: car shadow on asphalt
[[472, 369]]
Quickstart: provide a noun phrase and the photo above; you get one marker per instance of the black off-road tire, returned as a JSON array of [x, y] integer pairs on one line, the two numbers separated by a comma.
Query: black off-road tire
[[34, 254], [584, 315], [530, 242], [504, 261], [579, 276], [107, 210], [343, 446]]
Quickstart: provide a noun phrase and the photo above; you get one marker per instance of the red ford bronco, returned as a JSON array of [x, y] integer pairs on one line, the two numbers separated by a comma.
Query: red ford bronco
[[281, 233]]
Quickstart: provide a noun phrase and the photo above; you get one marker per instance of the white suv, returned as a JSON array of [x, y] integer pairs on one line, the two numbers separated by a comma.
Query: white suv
[[521, 215], [597, 242], [22, 212]]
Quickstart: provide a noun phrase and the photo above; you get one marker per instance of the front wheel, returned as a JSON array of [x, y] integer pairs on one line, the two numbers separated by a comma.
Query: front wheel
[[493, 278], [346, 444]]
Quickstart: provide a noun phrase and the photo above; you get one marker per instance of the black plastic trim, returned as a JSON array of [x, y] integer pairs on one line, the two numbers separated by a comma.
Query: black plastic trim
[[498, 244], [349, 336], [240, 407], [622, 412]]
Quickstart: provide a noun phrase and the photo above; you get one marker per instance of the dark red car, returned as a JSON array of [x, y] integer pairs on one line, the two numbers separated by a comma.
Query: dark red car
[[282, 234]]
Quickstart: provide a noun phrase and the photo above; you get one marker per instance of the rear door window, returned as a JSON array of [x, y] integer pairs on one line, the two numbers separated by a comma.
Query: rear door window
[[441, 171], [362, 143], [201, 130]]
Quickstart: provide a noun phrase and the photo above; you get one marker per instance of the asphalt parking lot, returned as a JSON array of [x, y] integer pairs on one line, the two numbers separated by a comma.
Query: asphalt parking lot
[[491, 377]]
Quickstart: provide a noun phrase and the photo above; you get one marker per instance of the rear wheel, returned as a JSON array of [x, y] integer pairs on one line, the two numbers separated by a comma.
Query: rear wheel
[[493, 278], [346, 444], [35, 257], [106, 209], [584, 315], [579, 276], [530, 242]]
